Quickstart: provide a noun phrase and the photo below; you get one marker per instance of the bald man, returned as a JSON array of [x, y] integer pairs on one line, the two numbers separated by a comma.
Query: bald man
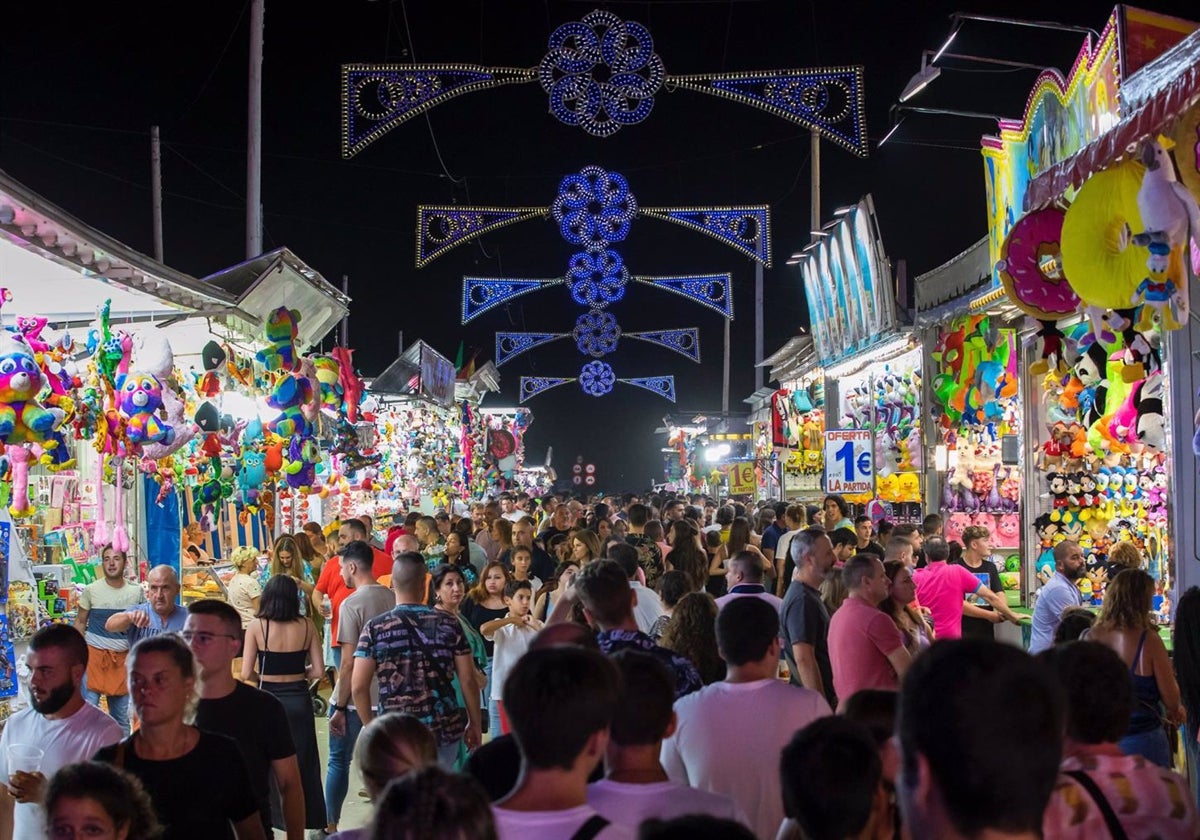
[[160, 614]]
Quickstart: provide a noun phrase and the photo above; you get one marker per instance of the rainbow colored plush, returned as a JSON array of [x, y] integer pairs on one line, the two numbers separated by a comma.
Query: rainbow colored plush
[[280, 332]]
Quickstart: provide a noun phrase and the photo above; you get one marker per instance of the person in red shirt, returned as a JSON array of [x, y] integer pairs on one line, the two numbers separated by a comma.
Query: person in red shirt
[[866, 649], [331, 583]]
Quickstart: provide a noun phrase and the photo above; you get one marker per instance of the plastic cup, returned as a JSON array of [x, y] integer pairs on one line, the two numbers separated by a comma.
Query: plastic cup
[[24, 758]]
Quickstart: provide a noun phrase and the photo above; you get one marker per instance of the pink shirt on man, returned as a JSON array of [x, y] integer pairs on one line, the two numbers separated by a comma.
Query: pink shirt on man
[[861, 638], [941, 588]]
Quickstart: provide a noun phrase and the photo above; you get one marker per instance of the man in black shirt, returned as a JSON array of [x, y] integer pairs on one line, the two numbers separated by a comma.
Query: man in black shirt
[[804, 616], [252, 718], [864, 529]]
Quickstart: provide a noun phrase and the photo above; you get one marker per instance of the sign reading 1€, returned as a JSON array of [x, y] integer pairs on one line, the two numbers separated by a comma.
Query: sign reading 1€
[[741, 478], [848, 464]]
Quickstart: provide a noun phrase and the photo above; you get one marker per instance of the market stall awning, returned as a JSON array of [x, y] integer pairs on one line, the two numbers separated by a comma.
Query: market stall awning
[[138, 284], [938, 292], [794, 359], [1150, 98], [262, 284], [420, 372]]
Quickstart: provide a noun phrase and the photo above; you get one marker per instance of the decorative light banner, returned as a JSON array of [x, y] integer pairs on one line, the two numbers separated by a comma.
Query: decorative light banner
[[596, 334], [593, 210], [480, 294], [597, 379], [601, 73]]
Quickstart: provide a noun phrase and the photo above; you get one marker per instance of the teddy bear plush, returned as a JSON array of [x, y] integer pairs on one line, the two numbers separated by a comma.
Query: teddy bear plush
[[22, 418], [280, 332], [289, 395], [141, 398]]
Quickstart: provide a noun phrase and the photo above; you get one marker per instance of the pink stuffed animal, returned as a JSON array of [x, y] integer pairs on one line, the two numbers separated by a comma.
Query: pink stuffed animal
[[1008, 532]]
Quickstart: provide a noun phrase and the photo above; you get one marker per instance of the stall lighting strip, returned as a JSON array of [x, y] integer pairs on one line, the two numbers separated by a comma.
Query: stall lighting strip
[[882, 353], [989, 298]]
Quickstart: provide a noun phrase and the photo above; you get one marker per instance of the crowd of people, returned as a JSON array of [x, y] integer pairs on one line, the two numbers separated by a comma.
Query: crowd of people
[[658, 668]]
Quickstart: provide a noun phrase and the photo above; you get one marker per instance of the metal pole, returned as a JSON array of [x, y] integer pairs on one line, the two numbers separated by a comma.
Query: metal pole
[[758, 325], [816, 182], [725, 375], [400, 342], [346, 317], [156, 191], [254, 138]]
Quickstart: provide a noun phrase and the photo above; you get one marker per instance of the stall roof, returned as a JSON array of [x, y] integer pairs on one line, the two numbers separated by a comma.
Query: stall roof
[[31, 222], [419, 372], [485, 379], [1150, 98], [938, 291], [260, 284], [795, 358]]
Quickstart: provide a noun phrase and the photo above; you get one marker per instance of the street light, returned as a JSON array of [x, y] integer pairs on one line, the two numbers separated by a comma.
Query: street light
[[928, 72], [948, 112]]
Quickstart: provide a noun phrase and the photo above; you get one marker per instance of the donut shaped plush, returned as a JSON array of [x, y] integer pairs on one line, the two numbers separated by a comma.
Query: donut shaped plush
[[1043, 295], [1097, 253]]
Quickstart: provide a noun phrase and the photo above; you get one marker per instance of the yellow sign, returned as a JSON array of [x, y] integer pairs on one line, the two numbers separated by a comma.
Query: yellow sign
[[741, 478]]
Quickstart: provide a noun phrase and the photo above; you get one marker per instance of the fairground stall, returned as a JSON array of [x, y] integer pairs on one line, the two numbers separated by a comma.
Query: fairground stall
[[974, 451], [795, 421], [714, 455], [1089, 194], [872, 364]]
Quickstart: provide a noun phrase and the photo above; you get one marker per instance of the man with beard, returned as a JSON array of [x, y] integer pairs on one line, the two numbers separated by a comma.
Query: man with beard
[[58, 721], [1059, 593], [107, 650], [158, 615]]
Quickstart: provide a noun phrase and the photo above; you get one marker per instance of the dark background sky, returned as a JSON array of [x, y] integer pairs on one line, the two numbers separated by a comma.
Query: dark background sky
[[82, 83]]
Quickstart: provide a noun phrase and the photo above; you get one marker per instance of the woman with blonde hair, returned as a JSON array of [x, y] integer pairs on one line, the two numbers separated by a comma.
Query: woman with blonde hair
[[244, 590], [388, 747], [1127, 627], [287, 560], [1123, 555]]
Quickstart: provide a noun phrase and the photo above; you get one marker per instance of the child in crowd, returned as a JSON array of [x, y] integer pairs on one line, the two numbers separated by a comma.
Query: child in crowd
[[522, 559], [511, 635]]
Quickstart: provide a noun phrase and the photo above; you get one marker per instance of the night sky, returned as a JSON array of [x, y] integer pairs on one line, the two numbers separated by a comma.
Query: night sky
[[82, 83]]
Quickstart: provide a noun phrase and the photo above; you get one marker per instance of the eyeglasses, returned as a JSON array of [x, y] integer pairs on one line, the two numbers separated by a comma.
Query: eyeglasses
[[199, 638]]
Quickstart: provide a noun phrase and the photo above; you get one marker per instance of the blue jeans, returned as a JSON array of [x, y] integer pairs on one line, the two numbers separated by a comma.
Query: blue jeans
[[492, 706], [118, 705], [337, 775], [448, 755], [1150, 745]]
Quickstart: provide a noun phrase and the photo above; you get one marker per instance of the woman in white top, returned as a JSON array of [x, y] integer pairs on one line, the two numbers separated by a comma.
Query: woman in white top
[[244, 590]]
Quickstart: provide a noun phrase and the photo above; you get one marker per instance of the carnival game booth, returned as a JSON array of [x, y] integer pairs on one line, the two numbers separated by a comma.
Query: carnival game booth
[[975, 460], [794, 429], [1092, 208], [872, 367]]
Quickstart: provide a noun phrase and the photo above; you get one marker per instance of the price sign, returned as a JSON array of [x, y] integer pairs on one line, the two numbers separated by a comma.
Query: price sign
[[848, 464], [741, 478]]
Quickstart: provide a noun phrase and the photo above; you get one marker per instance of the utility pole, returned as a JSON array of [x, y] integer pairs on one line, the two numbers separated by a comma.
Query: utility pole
[[156, 191], [816, 183], [725, 375], [758, 323], [254, 225]]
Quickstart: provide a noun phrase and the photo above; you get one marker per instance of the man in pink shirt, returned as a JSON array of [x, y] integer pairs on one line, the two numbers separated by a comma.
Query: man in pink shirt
[[866, 648], [941, 589]]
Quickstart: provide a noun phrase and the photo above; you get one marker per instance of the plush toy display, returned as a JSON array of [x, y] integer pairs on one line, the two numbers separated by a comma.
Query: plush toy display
[[280, 332], [141, 398], [289, 395], [22, 418]]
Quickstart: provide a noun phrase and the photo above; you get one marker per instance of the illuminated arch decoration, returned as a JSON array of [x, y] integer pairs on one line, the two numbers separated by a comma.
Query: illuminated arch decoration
[[483, 293], [596, 280], [531, 386], [713, 291], [599, 74], [748, 229], [685, 342], [510, 344], [664, 386], [597, 383], [441, 228], [593, 209]]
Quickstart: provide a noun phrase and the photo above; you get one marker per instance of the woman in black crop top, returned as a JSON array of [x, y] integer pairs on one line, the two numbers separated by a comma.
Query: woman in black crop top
[[284, 649]]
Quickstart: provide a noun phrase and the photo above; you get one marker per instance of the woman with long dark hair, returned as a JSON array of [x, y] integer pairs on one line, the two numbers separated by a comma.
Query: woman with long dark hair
[[448, 592], [458, 555], [1126, 626], [692, 632], [484, 603], [283, 648], [687, 554], [918, 635]]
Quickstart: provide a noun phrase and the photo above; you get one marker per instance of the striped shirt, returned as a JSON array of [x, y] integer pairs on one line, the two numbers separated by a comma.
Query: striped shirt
[[158, 625]]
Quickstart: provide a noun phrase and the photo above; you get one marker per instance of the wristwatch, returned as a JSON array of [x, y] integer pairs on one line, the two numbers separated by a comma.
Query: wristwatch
[[338, 708]]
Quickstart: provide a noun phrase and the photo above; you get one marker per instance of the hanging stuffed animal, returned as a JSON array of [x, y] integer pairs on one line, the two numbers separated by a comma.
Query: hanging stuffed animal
[[299, 467], [208, 421], [289, 395], [1148, 404], [120, 536], [22, 418], [280, 331], [1170, 214], [20, 456], [352, 386], [141, 398], [211, 359], [251, 475], [329, 379]]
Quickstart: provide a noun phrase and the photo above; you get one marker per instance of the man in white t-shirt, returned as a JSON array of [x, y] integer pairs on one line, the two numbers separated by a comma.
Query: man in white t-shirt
[[59, 722], [636, 787], [560, 703], [100, 601], [729, 735]]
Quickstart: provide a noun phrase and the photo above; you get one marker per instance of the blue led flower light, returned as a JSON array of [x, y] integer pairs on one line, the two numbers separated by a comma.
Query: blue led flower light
[[596, 280], [601, 73], [596, 379], [594, 208], [596, 333]]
